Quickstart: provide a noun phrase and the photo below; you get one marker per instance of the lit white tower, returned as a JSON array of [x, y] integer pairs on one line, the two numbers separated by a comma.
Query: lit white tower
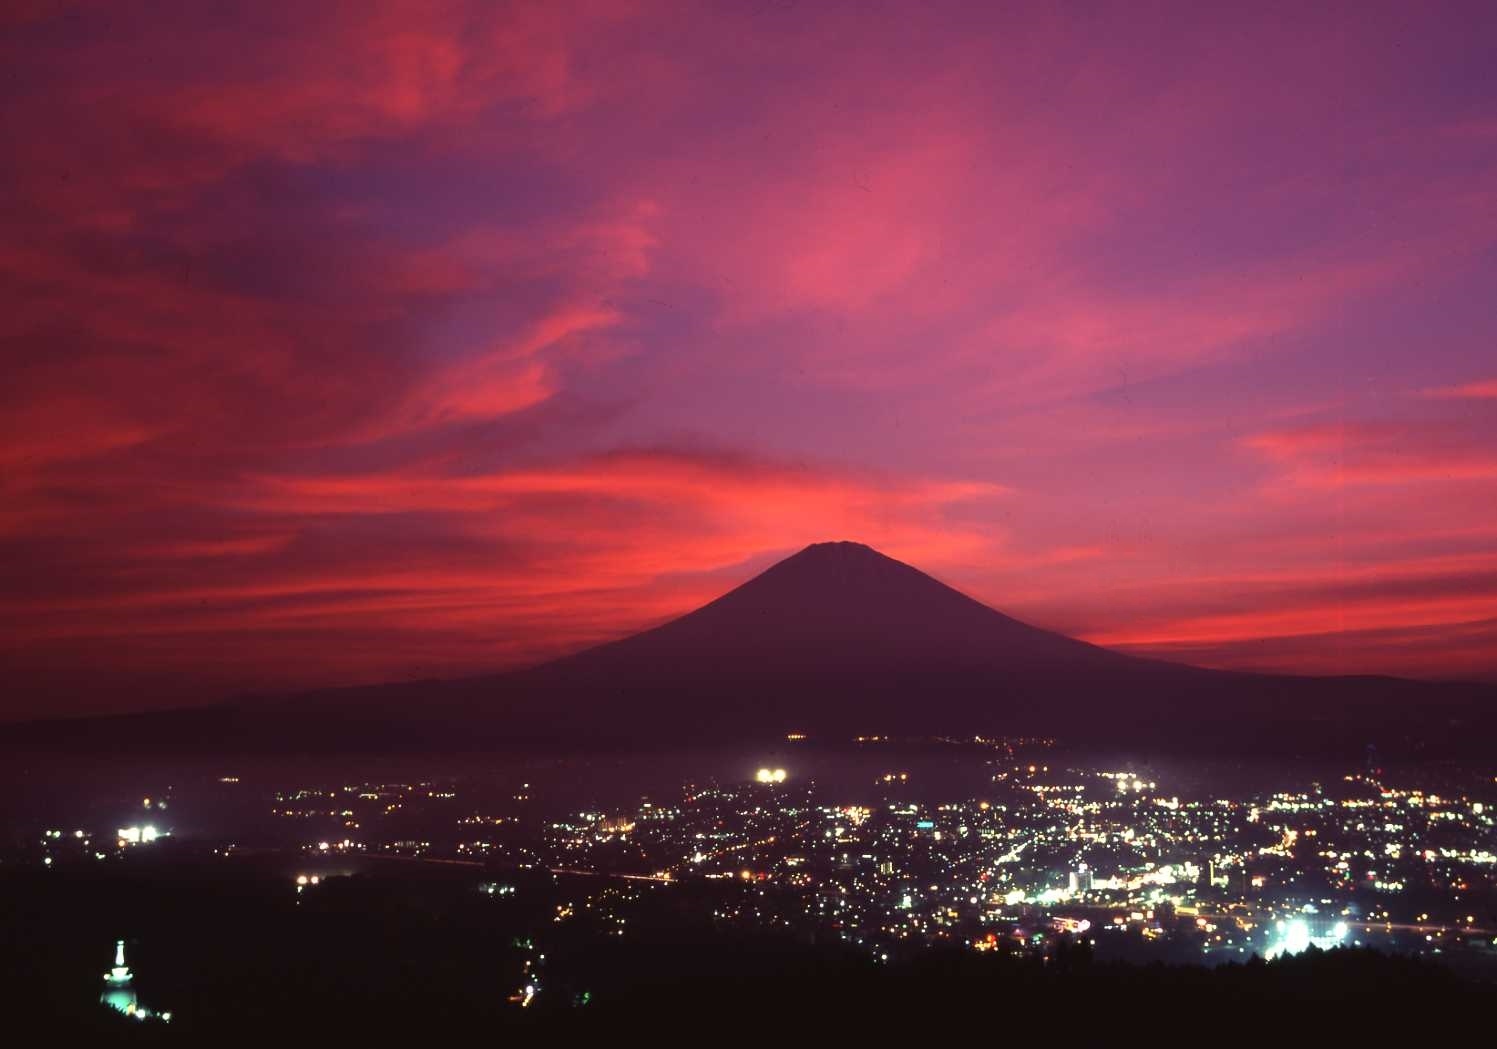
[[119, 992]]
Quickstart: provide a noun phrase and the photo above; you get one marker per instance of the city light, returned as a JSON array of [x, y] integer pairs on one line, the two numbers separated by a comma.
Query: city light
[[1029, 861], [137, 835]]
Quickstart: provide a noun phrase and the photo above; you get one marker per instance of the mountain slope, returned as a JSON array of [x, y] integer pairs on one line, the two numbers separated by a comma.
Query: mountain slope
[[839, 640], [837, 637]]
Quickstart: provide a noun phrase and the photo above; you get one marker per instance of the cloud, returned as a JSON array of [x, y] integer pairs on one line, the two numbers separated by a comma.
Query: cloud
[[1335, 455], [1485, 389], [532, 560], [510, 377]]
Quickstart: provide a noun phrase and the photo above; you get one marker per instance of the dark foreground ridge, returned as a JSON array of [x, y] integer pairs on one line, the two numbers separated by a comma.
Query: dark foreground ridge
[[835, 641], [238, 957]]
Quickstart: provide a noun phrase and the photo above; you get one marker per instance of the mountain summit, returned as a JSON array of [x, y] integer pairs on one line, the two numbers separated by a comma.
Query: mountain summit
[[835, 641], [844, 592], [832, 611]]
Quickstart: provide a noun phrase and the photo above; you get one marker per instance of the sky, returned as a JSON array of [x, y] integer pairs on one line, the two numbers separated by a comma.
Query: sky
[[346, 343]]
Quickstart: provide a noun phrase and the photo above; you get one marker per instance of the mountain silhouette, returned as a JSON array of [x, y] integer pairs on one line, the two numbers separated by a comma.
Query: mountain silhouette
[[837, 637], [835, 641]]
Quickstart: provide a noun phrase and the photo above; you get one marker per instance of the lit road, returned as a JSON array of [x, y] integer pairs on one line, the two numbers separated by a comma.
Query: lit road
[[608, 874]]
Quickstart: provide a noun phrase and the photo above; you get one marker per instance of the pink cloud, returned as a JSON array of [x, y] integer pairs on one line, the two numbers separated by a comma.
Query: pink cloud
[[1335, 455], [1479, 390]]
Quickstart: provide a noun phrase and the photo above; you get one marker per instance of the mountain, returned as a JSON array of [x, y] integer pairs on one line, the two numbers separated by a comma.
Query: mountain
[[840, 640]]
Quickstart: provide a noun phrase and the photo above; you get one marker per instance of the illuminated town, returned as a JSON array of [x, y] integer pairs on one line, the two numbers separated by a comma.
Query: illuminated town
[[1050, 853], [1093, 853]]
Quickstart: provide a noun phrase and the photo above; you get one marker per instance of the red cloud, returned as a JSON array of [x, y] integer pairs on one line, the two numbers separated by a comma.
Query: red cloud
[[1334, 455], [544, 558]]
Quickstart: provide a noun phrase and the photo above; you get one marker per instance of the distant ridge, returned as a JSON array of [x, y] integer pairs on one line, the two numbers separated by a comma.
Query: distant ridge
[[835, 641]]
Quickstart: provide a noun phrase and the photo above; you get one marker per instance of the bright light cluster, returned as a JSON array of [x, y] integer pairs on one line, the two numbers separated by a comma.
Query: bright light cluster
[[137, 835]]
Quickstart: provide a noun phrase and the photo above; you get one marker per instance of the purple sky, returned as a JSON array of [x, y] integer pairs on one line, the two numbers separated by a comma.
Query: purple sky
[[353, 342]]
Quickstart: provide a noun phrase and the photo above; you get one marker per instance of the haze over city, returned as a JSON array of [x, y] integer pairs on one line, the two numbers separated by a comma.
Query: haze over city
[[351, 344]]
